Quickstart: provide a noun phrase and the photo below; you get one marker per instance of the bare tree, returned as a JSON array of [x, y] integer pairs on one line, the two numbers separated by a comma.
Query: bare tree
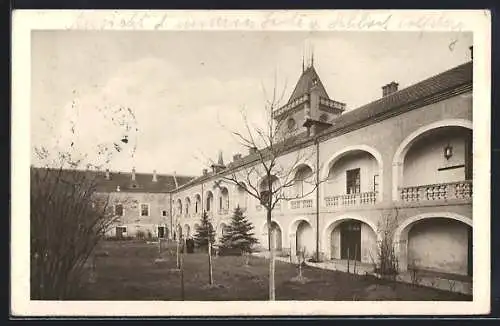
[[68, 218], [268, 176], [68, 214]]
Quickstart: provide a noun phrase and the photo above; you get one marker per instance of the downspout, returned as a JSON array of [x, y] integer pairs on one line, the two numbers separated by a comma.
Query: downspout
[[202, 200], [171, 216], [317, 198]]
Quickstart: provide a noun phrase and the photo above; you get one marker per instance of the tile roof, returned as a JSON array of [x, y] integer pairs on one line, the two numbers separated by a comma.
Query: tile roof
[[415, 95], [143, 181], [412, 96]]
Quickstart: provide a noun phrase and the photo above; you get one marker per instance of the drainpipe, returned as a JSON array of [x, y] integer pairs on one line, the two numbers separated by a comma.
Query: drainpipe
[[317, 198], [202, 200], [171, 216]]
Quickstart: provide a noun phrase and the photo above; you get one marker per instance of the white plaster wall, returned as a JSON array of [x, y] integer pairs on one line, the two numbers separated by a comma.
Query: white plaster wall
[[426, 156], [306, 238], [335, 244], [336, 184], [440, 245], [368, 244]]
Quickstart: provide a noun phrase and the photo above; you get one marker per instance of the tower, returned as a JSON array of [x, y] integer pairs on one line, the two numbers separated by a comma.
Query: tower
[[309, 108]]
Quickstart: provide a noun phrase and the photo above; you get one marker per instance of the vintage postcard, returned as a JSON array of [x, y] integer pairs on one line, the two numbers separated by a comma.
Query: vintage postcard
[[218, 163]]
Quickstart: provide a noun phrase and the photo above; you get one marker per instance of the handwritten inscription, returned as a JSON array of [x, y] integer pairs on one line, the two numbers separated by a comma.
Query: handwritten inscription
[[337, 20]]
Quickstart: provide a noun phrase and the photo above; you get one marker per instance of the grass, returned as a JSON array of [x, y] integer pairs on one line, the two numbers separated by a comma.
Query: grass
[[129, 272]]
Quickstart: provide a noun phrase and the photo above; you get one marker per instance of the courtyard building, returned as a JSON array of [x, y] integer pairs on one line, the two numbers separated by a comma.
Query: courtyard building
[[405, 157], [403, 162]]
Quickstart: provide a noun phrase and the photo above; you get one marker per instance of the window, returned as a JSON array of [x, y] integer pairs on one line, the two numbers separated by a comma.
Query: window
[[208, 204], [353, 183], [119, 210], [164, 213], [291, 124], [323, 117], [196, 206], [375, 183], [220, 203], [144, 209]]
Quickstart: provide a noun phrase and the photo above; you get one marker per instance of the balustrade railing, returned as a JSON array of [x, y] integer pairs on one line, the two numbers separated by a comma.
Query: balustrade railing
[[361, 198], [301, 203], [442, 191], [223, 211]]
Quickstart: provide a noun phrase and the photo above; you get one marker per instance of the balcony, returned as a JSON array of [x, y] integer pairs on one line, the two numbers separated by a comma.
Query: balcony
[[289, 106], [301, 203], [445, 191], [260, 208], [349, 200], [223, 211], [332, 104]]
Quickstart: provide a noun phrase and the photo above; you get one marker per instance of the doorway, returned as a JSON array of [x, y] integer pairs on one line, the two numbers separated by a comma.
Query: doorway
[[350, 240], [161, 232]]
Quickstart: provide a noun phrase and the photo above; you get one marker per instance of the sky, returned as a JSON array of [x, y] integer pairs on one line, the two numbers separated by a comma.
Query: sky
[[177, 95]]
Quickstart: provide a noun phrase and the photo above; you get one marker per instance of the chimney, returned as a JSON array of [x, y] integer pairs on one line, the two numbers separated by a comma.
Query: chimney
[[108, 177], [252, 150], [133, 174], [471, 48], [205, 171], [236, 157], [390, 88], [155, 178]]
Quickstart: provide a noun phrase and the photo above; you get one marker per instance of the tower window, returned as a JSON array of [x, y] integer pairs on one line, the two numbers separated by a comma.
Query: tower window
[[323, 117], [291, 124]]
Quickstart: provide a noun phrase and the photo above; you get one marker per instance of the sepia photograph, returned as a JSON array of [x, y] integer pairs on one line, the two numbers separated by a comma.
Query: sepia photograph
[[252, 165]]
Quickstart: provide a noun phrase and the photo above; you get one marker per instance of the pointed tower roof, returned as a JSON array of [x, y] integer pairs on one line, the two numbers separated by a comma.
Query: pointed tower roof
[[308, 78]]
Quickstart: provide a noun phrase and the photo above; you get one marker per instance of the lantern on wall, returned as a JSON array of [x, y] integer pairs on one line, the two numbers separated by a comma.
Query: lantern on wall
[[448, 151]]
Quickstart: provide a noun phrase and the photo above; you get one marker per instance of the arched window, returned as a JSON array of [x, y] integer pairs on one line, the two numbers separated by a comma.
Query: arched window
[[302, 181]]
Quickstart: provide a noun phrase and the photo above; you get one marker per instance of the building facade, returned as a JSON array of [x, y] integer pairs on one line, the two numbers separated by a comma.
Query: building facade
[[406, 158], [140, 202]]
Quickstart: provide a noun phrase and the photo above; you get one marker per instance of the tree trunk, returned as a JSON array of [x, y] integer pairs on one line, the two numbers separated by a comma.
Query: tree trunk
[[210, 274], [182, 275], [272, 290], [178, 258]]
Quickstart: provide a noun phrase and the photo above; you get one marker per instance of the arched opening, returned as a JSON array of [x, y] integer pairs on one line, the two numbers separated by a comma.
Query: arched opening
[[354, 177], [178, 235], [276, 236], [210, 201], [197, 204], [436, 243], [223, 228], [179, 207], [242, 196], [434, 162], [188, 206], [268, 183], [224, 201], [351, 239], [304, 238], [303, 182], [187, 231]]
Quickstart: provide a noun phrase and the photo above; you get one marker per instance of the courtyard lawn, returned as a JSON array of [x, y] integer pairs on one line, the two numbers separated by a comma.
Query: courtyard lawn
[[129, 272]]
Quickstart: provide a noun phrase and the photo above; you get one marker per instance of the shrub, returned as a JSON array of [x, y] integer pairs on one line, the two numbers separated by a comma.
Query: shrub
[[67, 220]]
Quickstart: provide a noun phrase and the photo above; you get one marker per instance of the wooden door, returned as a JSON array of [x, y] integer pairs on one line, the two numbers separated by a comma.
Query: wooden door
[[350, 240]]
